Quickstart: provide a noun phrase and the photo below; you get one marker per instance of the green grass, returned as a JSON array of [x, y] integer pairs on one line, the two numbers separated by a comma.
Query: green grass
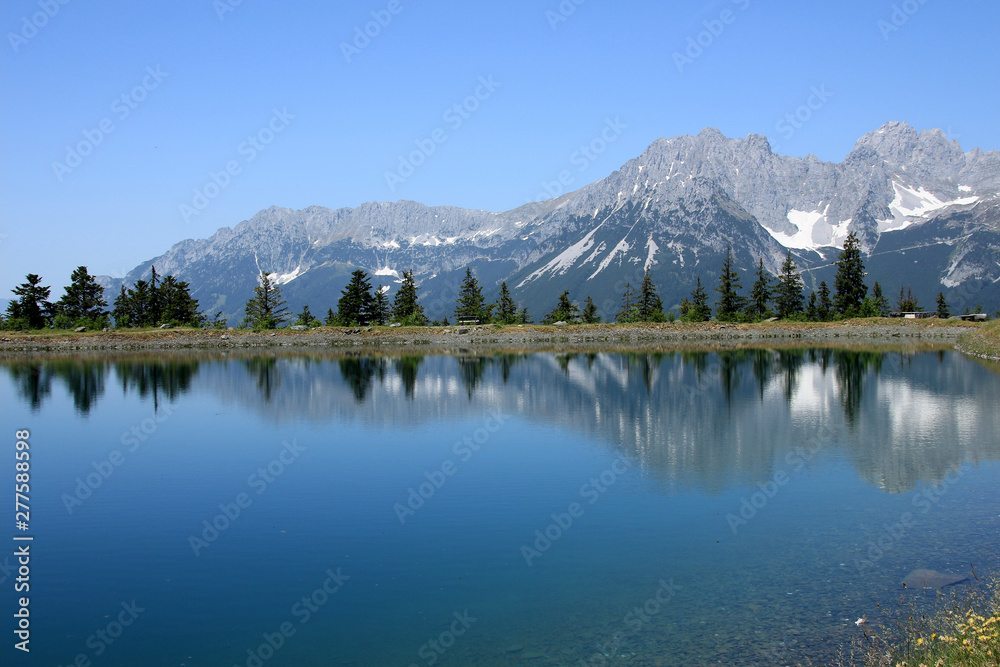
[[984, 342], [962, 629]]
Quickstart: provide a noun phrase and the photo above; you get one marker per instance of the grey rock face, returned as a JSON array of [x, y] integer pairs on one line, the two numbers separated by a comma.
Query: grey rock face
[[672, 210]]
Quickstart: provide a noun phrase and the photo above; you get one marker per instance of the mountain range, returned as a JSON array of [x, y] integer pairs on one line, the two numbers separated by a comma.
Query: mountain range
[[927, 213]]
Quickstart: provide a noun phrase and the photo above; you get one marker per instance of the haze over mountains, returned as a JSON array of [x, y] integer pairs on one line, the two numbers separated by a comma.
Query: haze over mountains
[[928, 215]]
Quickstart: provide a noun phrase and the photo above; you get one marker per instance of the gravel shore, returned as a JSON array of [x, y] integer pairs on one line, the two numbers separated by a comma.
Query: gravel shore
[[464, 339]]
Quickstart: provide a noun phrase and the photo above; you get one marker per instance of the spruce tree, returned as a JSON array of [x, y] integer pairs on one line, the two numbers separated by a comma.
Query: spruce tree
[[697, 309], [812, 308], [305, 318], [405, 306], [506, 309], [849, 282], [266, 309], [589, 313], [176, 305], [649, 307], [629, 311], [788, 294], [907, 302], [380, 306], [760, 294], [730, 301], [942, 307], [523, 317], [31, 305], [881, 301], [824, 309], [83, 299], [331, 318], [470, 304], [356, 304], [564, 311]]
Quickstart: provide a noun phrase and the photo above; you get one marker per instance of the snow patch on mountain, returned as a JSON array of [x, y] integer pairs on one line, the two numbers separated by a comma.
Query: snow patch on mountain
[[285, 278], [815, 230], [386, 271], [566, 259], [653, 249], [623, 247], [912, 204]]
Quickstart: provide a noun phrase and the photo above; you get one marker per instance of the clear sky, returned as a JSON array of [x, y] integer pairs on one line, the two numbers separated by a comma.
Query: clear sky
[[115, 113]]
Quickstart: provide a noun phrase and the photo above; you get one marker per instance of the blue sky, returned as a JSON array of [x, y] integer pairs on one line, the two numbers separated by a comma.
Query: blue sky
[[131, 126]]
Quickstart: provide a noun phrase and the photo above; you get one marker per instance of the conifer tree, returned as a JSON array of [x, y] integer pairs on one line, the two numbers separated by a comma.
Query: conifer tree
[[564, 311], [697, 309], [824, 309], [331, 318], [812, 308], [523, 317], [356, 304], [470, 304], [83, 298], [589, 313], [266, 309], [380, 306], [649, 307], [730, 301], [760, 295], [305, 318], [942, 307], [788, 294], [881, 301], [405, 306], [629, 311], [175, 303], [849, 282], [506, 309], [31, 305]]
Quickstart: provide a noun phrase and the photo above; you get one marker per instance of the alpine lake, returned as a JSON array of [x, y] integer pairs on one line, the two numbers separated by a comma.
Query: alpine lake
[[649, 507]]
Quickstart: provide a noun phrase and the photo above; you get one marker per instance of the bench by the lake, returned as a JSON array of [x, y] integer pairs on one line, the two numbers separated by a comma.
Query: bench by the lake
[[913, 314], [468, 320]]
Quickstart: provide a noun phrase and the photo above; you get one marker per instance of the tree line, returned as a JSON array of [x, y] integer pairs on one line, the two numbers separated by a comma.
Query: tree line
[[165, 300], [148, 303]]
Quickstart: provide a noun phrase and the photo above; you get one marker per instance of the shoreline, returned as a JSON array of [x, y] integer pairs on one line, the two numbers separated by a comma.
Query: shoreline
[[489, 338]]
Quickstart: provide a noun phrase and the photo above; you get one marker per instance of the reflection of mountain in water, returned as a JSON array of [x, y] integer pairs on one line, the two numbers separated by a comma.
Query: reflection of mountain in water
[[705, 419]]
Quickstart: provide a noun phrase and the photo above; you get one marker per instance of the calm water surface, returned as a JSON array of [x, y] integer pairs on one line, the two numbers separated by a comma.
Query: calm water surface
[[738, 507]]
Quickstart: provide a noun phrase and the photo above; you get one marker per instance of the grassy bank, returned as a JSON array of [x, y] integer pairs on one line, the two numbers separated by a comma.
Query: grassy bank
[[983, 342], [962, 628]]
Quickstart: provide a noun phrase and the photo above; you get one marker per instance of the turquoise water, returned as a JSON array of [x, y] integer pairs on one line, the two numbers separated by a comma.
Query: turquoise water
[[738, 508]]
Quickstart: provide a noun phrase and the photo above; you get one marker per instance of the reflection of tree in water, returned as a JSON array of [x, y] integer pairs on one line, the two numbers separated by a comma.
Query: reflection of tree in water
[[790, 363], [84, 380], [851, 369], [152, 378], [729, 370], [761, 362], [407, 367], [563, 361], [33, 381], [647, 365], [266, 370], [507, 361], [359, 371], [470, 371]]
